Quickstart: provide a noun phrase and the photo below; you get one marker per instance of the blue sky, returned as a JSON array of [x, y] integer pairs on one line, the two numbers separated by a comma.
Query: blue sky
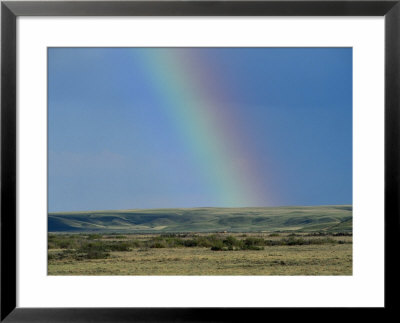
[[118, 141]]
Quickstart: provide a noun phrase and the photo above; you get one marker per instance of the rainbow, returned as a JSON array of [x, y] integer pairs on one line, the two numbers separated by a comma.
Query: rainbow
[[198, 102]]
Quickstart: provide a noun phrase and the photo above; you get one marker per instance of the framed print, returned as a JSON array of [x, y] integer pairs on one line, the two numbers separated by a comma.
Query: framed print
[[220, 186], [176, 160]]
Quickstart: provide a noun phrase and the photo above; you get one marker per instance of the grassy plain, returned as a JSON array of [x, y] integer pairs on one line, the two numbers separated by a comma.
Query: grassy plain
[[333, 218], [263, 253]]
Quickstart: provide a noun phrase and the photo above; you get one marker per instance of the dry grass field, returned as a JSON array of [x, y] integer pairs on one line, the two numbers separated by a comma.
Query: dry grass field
[[201, 254]]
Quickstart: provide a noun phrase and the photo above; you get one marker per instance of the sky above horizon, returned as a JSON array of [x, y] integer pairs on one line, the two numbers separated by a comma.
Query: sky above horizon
[[132, 128]]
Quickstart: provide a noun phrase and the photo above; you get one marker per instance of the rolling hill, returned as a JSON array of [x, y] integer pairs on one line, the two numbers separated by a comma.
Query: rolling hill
[[333, 218]]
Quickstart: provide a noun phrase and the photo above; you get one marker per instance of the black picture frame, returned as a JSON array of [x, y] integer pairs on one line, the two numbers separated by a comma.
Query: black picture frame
[[10, 10]]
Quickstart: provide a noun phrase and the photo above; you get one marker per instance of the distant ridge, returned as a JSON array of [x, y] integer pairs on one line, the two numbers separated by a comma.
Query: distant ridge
[[330, 218]]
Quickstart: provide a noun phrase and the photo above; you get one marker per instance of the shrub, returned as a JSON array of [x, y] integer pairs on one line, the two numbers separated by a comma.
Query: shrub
[[60, 255], [190, 243], [94, 236], [104, 246], [294, 242], [119, 246], [231, 242], [273, 243], [217, 245], [157, 244], [62, 242], [206, 242], [251, 241], [316, 234], [92, 250], [134, 243], [343, 234], [177, 242], [96, 254]]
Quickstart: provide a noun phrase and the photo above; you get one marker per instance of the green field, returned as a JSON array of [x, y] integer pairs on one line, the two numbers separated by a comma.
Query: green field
[[203, 241], [336, 218]]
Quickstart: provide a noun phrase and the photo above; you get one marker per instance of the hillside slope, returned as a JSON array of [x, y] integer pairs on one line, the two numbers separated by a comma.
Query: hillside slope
[[334, 218]]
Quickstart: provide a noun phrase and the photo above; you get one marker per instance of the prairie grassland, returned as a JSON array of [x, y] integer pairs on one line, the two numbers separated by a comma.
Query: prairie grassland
[[328, 218], [201, 254]]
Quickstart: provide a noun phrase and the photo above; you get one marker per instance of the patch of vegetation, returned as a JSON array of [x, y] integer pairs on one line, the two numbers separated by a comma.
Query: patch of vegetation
[[218, 246], [95, 246], [56, 241], [343, 234], [64, 254], [317, 234], [92, 251], [94, 236]]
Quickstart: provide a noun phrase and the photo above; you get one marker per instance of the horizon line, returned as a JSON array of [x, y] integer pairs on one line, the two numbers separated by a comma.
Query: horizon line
[[198, 207]]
